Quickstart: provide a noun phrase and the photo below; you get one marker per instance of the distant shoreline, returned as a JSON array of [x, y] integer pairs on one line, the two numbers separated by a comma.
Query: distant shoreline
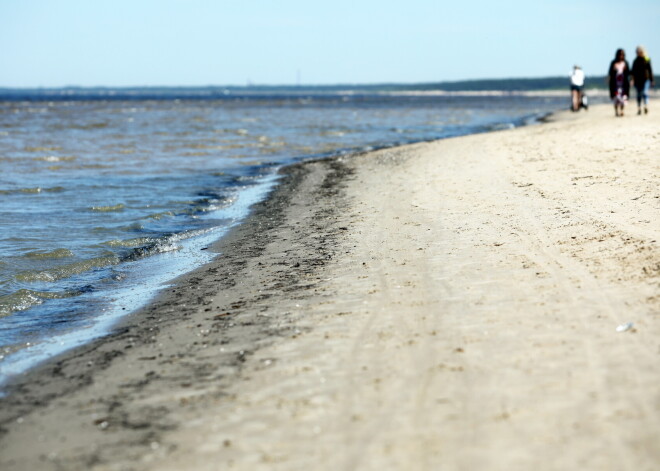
[[519, 85]]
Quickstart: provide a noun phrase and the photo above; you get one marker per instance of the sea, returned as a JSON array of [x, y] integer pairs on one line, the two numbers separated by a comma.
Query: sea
[[107, 195]]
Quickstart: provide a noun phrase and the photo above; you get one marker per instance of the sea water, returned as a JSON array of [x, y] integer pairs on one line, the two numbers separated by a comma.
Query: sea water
[[106, 197]]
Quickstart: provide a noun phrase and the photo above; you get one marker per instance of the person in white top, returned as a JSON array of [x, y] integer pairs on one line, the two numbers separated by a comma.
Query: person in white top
[[577, 84]]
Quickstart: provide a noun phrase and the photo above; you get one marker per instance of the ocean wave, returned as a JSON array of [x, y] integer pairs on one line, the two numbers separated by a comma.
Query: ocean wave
[[137, 248], [25, 299], [56, 158], [130, 243], [42, 148], [57, 253], [32, 190], [108, 209], [150, 250], [67, 271], [159, 216]]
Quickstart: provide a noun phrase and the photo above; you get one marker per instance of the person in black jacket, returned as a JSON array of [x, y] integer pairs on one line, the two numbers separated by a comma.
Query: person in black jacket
[[642, 78], [619, 81]]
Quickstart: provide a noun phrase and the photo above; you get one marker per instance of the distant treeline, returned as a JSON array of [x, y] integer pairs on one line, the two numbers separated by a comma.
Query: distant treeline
[[507, 85], [484, 85]]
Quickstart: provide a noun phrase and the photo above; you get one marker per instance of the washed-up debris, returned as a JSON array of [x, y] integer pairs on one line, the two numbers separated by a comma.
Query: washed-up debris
[[625, 327]]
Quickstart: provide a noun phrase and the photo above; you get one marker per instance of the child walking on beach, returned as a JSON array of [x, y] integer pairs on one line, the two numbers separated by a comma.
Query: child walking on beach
[[619, 81], [642, 78]]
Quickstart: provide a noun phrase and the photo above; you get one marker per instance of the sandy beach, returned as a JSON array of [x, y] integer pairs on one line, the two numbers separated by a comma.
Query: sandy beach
[[488, 302]]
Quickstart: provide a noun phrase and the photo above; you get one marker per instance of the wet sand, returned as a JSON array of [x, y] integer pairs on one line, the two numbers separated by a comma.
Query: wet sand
[[450, 305]]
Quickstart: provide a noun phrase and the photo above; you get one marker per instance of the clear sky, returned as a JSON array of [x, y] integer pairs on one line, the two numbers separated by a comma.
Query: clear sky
[[232, 42]]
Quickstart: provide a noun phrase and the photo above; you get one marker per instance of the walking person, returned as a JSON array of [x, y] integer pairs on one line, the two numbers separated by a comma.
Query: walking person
[[642, 78], [619, 81], [577, 84]]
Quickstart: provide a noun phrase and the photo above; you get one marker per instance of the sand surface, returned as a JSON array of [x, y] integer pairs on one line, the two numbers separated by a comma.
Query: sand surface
[[444, 306]]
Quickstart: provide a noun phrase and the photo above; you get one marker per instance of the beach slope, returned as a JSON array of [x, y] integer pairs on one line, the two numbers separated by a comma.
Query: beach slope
[[484, 302]]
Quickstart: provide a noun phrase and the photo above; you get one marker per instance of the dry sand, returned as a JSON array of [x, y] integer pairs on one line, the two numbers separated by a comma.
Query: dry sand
[[444, 306]]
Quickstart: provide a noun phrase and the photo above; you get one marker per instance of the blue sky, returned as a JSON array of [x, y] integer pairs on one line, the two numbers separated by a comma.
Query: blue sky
[[205, 42]]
